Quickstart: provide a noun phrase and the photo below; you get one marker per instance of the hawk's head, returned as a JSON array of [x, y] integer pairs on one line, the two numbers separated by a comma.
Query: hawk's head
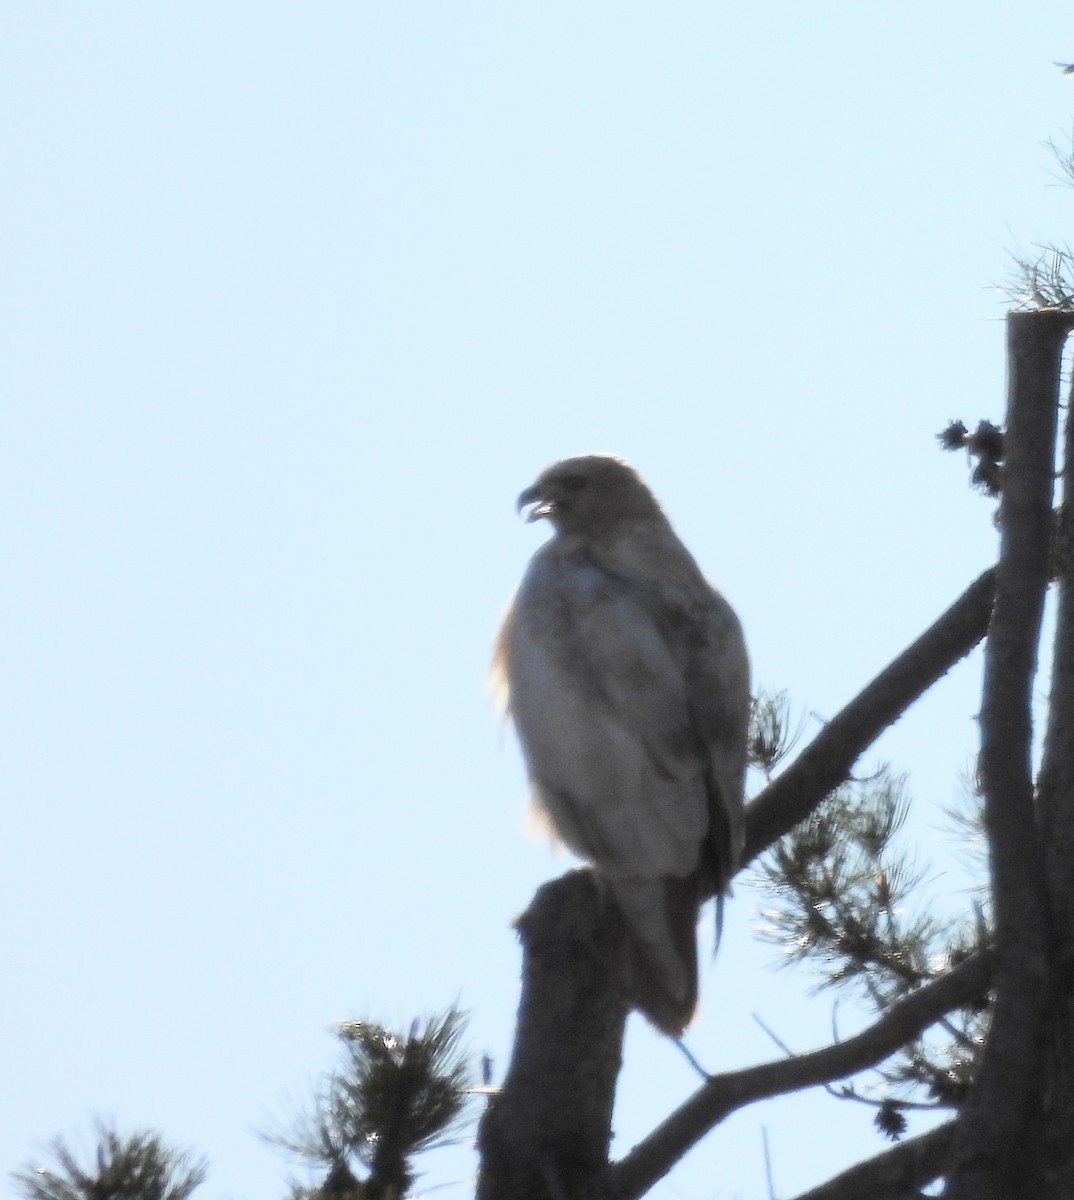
[[588, 495]]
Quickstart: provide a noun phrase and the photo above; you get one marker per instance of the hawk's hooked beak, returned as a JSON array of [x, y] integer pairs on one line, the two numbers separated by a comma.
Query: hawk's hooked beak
[[532, 495]]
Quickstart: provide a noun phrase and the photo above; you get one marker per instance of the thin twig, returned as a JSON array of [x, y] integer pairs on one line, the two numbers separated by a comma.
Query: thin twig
[[767, 1163]]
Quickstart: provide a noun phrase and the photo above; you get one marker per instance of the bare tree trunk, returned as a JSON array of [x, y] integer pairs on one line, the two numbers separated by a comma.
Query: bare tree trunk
[[996, 1127], [1054, 1166], [545, 1136]]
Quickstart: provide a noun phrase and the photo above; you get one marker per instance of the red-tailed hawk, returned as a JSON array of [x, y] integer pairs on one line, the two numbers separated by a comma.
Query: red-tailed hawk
[[628, 683]]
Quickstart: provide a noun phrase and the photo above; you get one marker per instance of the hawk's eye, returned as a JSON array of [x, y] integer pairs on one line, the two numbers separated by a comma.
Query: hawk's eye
[[574, 483]]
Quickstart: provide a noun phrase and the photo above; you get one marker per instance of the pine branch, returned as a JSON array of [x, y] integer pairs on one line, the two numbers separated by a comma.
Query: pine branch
[[394, 1097], [839, 893], [139, 1167], [723, 1094]]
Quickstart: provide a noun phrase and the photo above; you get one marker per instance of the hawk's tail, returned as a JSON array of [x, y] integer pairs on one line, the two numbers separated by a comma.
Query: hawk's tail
[[661, 921]]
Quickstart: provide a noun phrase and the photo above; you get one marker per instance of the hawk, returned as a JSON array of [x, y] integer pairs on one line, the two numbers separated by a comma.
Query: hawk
[[627, 679]]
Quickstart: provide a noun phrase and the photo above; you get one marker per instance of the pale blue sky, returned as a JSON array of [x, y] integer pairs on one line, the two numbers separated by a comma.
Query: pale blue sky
[[296, 299]]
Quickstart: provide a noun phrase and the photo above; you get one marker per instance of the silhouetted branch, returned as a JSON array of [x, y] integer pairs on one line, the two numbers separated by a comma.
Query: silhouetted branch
[[723, 1094], [827, 761], [894, 1175], [139, 1165]]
